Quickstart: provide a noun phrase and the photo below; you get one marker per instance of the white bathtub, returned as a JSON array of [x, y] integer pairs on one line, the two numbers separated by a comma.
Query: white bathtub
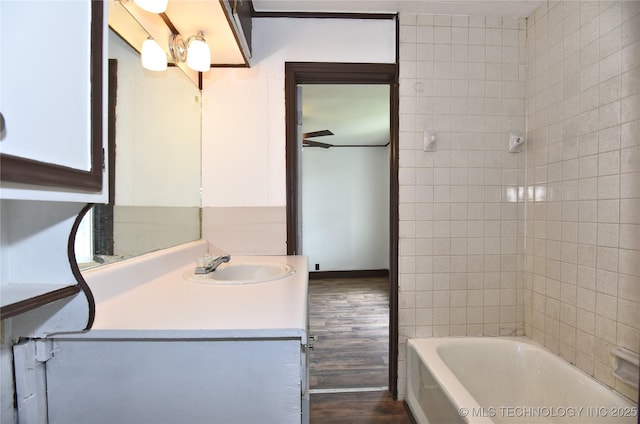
[[504, 380]]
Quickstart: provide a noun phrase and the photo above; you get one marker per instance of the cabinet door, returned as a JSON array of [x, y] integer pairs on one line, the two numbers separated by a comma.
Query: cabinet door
[[166, 381], [51, 85]]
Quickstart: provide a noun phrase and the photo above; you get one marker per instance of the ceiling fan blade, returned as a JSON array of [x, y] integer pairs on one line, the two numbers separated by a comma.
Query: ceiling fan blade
[[362, 145], [311, 143], [320, 133]]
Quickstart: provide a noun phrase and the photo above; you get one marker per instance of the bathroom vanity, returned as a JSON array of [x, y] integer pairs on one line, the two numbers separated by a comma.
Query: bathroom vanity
[[165, 349]]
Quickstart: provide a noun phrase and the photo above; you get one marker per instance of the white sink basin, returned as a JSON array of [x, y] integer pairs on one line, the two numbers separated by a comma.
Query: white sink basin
[[243, 273]]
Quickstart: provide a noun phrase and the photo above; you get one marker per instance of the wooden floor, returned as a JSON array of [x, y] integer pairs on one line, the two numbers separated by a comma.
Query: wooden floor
[[350, 321], [357, 408]]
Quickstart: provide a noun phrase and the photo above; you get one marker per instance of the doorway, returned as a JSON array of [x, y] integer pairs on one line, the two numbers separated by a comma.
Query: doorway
[[297, 74], [344, 177]]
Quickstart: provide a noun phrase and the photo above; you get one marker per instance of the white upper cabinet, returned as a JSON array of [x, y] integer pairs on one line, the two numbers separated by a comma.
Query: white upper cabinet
[[52, 100], [52, 144]]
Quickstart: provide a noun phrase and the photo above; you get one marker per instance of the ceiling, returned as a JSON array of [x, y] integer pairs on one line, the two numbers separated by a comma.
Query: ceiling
[[507, 8], [357, 114]]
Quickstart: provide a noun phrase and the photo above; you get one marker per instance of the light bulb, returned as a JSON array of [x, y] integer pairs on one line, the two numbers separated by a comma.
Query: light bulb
[[198, 54], [153, 57], [153, 6]]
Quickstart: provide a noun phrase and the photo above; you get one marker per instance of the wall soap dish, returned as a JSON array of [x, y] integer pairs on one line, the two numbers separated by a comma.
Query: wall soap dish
[[627, 366]]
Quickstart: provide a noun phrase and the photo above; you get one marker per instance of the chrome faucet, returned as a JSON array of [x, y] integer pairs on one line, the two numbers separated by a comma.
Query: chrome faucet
[[209, 264]]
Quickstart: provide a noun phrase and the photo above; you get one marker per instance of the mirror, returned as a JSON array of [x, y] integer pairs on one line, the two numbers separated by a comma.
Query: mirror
[[156, 191]]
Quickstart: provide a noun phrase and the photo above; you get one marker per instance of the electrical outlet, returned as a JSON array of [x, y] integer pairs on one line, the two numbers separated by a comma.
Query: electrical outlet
[[317, 267]]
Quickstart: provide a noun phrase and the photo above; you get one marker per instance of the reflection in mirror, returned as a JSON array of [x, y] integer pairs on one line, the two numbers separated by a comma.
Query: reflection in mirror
[[156, 194]]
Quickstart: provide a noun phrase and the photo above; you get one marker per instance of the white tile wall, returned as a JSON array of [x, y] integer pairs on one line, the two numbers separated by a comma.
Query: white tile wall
[[582, 272], [461, 207], [565, 268]]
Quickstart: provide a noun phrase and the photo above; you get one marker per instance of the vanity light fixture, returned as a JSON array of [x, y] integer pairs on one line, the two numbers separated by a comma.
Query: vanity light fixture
[[153, 6], [198, 53], [153, 57], [195, 51]]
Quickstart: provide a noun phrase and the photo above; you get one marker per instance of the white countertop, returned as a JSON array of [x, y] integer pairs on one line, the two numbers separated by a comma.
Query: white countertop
[[169, 306]]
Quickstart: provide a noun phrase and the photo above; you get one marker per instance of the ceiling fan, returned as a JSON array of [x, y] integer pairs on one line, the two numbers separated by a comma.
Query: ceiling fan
[[312, 143]]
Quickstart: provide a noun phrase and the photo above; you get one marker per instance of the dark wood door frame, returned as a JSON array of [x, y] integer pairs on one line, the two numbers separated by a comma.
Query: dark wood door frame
[[348, 73]]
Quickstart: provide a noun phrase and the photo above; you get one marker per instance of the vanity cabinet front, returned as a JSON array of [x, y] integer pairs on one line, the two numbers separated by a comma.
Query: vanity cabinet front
[[231, 381]]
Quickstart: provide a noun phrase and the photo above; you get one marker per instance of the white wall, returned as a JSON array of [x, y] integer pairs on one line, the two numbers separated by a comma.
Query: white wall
[[345, 208], [243, 118]]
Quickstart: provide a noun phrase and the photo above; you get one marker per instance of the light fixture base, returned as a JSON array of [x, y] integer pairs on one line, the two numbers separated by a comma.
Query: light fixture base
[[177, 48]]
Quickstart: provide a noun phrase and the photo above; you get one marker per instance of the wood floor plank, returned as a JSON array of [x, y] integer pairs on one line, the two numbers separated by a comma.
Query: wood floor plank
[[357, 408], [349, 318]]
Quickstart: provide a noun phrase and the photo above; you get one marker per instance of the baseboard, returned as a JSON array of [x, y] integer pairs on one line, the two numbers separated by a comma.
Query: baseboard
[[362, 273]]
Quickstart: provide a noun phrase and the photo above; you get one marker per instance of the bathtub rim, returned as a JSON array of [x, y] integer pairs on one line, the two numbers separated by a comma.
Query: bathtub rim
[[456, 392]]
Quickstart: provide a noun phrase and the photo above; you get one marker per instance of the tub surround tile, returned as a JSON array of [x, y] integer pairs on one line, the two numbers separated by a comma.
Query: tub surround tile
[[544, 242], [598, 308]]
